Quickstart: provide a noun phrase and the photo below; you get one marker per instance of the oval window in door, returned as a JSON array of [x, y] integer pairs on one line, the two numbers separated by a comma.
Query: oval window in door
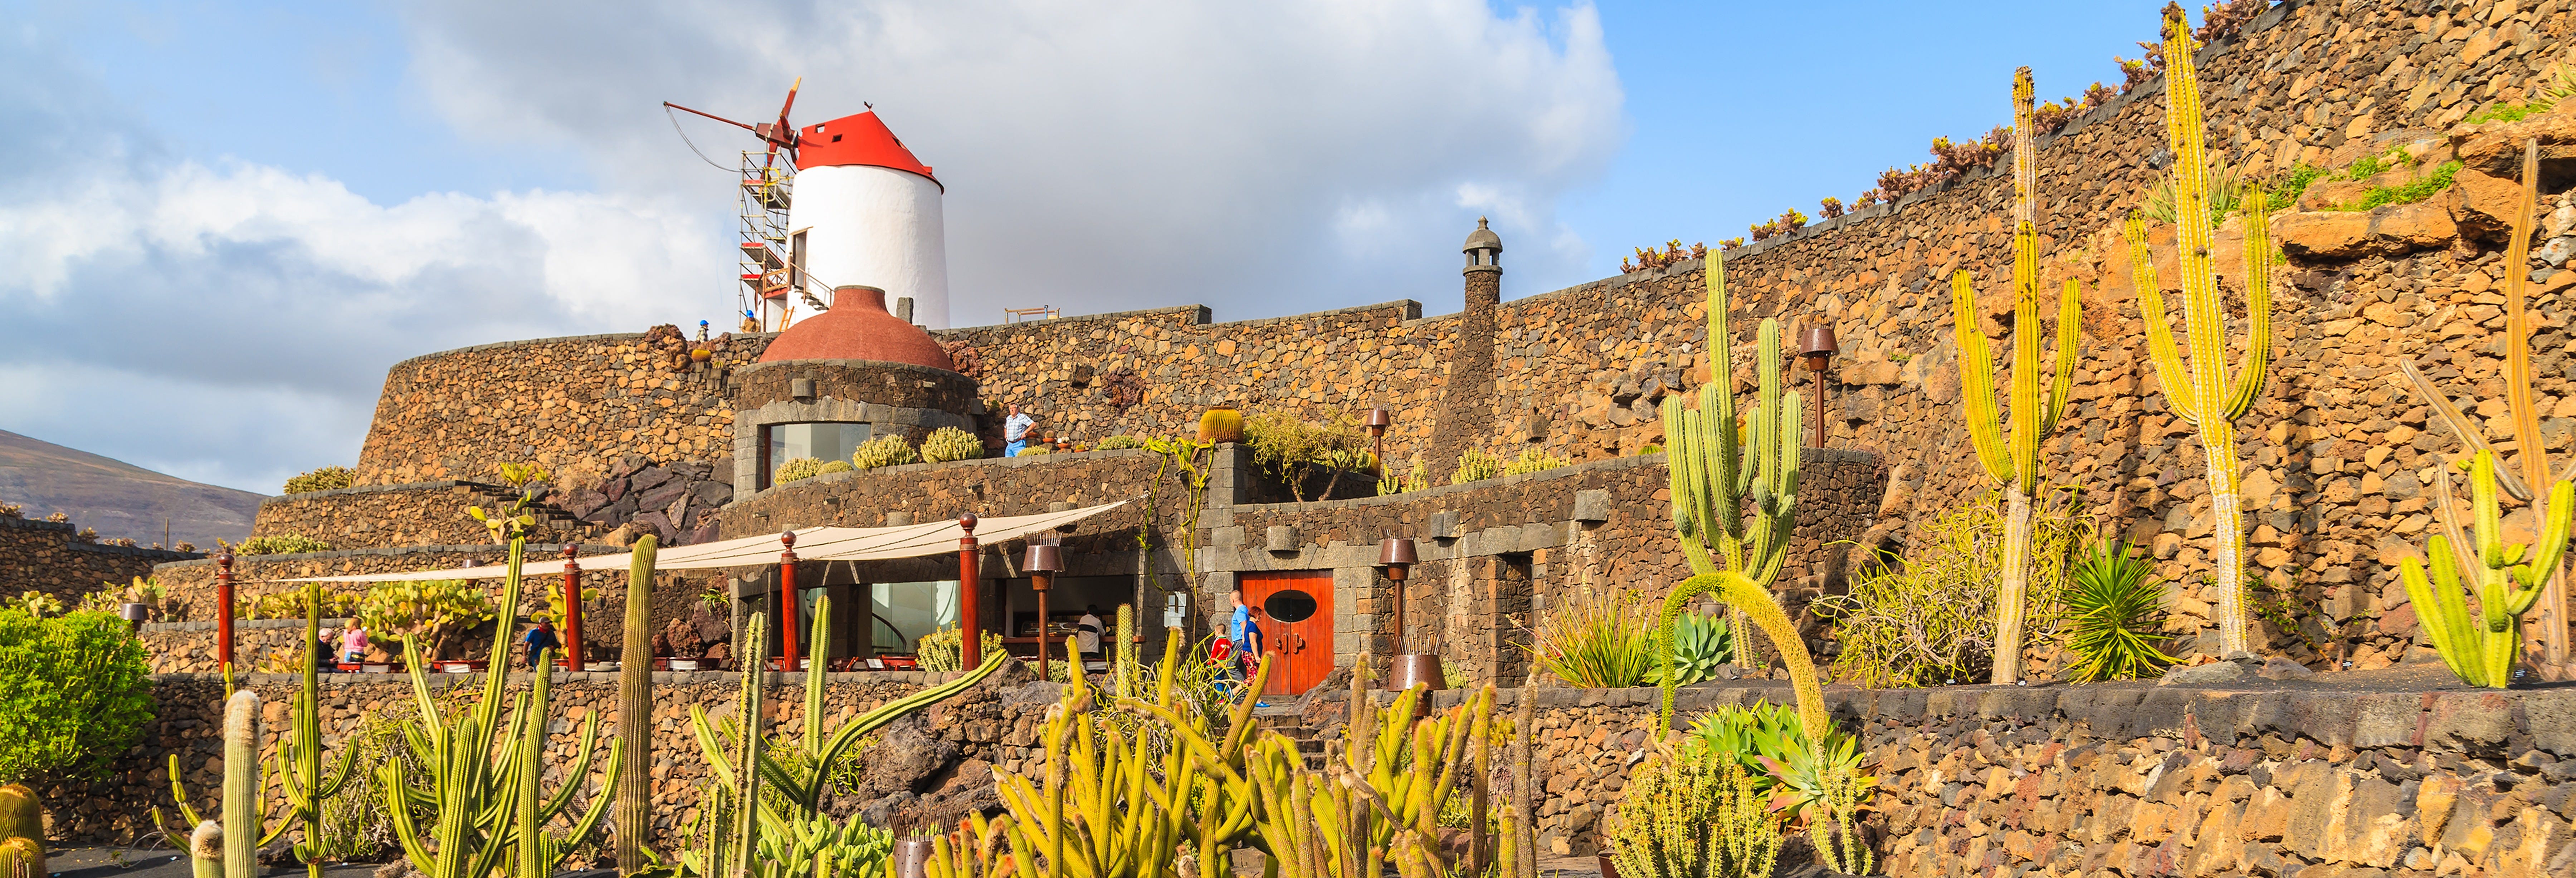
[[1289, 605]]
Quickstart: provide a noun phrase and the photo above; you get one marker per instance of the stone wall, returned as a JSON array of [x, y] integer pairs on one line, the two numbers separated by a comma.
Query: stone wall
[[2134, 779], [394, 516], [575, 404], [189, 647], [2262, 778], [53, 558]]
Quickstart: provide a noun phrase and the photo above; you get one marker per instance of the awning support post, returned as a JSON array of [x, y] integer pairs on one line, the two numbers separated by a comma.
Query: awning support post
[[970, 593]]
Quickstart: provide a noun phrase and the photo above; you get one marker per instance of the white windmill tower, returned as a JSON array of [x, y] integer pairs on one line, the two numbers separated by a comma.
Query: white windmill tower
[[865, 211]]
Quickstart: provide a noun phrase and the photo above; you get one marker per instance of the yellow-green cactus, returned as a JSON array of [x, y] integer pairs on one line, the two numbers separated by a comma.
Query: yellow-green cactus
[[2481, 645], [2013, 459], [2205, 396]]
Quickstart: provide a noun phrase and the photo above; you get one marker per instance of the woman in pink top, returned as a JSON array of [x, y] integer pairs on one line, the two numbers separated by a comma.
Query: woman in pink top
[[353, 643]]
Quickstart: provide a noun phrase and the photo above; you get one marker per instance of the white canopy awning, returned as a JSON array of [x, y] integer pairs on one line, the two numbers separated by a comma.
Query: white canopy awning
[[812, 544]]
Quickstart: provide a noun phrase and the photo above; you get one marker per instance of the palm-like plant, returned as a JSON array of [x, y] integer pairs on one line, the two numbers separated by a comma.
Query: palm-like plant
[[2114, 610]]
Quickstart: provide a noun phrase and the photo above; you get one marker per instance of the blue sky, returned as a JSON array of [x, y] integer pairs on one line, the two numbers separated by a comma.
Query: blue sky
[[279, 200]]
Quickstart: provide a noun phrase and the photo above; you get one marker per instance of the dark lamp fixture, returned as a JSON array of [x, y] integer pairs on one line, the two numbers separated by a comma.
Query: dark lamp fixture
[[1395, 554], [1043, 562], [1816, 345], [1377, 421]]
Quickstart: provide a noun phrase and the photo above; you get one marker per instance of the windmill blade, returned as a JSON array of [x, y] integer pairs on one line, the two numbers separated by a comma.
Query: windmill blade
[[784, 134]]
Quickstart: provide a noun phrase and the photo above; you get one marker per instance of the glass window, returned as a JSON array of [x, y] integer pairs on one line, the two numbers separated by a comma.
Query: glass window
[[902, 612], [821, 440]]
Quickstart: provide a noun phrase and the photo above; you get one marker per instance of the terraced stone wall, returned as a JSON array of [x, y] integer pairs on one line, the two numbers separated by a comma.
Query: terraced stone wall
[[51, 557]]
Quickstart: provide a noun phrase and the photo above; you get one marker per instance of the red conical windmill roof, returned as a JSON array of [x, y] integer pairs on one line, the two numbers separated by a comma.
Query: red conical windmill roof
[[856, 140]]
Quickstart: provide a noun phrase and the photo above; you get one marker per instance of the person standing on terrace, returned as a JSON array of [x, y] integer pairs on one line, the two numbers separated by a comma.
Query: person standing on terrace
[[1015, 431]]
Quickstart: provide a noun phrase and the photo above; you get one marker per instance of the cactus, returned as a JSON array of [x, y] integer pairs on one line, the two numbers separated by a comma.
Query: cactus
[[1522, 827], [1378, 798], [821, 747], [299, 755], [1689, 818], [1221, 424], [1712, 470], [241, 785], [22, 833], [2205, 397], [1124, 652], [2524, 414], [479, 803], [635, 712], [206, 850], [2016, 465], [2480, 645]]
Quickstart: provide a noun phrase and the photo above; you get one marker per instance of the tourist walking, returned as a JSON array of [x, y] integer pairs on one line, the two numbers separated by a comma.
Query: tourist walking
[[353, 644], [538, 640]]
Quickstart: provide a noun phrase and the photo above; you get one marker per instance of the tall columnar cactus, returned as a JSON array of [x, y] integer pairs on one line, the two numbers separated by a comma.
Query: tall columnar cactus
[[206, 850], [299, 756], [2524, 413], [475, 786], [1123, 653], [1712, 472], [2013, 459], [241, 785], [2205, 397], [635, 712], [746, 803], [2480, 645]]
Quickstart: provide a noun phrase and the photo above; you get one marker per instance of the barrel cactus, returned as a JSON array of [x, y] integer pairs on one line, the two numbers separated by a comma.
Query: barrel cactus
[[949, 443], [1221, 424]]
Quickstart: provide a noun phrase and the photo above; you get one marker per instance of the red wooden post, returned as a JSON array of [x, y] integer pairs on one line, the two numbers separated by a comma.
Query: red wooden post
[[224, 611], [787, 596], [971, 594], [572, 607]]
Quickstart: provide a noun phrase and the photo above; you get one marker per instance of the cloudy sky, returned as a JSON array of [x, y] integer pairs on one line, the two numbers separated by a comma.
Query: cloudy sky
[[220, 222]]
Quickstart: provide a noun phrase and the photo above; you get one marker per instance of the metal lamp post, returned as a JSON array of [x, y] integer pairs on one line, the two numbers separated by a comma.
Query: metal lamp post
[[1377, 423], [1816, 348], [1397, 555], [970, 597], [1044, 560]]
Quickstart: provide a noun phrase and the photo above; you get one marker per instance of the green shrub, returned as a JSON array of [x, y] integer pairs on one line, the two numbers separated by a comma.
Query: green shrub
[[886, 450], [1035, 451], [1597, 640], [1475, 465], [939, 650], [430, 612], [1292, 450], [290, 605], [799, 469], [2114, 614], [2409, 192], [355, 824], [1930, 620], [329, 478], [949, 443], [75, 691], [1532, 460], [1115, 443], [281, 544], [1414, 478]]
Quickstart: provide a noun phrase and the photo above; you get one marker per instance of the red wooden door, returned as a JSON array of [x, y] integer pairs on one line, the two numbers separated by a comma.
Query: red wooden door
[[1297, 625]]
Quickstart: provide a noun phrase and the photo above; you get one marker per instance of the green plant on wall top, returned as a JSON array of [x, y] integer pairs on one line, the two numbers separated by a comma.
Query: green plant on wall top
[[2013, 458], [1291, 450], [1700, 645], [949, 443], [280, 544], [2204, 396], [329, 478], [885, 452], [428, 614], [1533, 460], [1596, 639], [2115, 613], [1475, 465]]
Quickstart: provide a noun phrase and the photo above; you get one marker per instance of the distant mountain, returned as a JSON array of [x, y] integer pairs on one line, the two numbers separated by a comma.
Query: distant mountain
[[119, 498]]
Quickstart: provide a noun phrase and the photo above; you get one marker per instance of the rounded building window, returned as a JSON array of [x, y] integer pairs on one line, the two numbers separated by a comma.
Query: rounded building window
[[1289, 605]]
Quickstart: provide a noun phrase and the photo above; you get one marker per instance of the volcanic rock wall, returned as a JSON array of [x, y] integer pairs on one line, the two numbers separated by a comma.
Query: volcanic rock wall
[[51, 557]]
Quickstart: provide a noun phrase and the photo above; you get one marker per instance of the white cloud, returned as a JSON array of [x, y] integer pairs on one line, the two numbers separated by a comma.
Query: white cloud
[[1100, 156], [231, 321]]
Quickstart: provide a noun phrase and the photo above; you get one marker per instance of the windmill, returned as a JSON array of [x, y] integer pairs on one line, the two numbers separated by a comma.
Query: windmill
[[866, 212], [762, 205]]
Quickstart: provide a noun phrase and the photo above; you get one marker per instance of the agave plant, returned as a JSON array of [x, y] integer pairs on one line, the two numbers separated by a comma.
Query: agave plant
[[2114, 610], [1700, 644]]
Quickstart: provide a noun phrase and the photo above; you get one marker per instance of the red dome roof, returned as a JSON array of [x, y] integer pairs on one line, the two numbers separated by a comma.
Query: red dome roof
[[856, 140], [858, 328]]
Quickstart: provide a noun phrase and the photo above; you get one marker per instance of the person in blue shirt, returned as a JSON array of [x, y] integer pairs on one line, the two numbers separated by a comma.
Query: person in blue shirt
[[1015, 431], [538, 640]]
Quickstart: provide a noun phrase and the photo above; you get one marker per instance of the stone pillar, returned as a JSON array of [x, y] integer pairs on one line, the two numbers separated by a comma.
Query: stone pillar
[[1467, 399]]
